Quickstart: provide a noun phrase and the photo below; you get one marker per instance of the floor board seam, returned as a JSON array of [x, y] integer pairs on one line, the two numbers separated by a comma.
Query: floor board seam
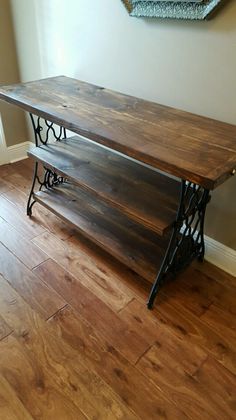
[[7, 335], [58, 311], [42, 262], [144, 353]]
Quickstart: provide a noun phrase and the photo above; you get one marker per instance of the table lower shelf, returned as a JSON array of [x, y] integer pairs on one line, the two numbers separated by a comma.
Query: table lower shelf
[[129, 242]]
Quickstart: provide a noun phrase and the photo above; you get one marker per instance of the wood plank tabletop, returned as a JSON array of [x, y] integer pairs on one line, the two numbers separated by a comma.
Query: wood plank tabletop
[[188, 146]]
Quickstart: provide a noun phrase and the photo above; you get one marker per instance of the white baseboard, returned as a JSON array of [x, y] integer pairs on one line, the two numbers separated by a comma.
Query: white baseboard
[[220, 255], [18, 151]]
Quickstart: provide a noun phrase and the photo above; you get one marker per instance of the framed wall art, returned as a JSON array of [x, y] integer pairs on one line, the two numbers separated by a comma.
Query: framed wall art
[[173, 9]]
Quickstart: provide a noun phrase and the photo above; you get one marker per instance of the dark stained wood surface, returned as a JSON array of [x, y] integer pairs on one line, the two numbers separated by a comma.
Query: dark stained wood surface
[[196, 148], [142, 193], [96, 352], [129, 242]]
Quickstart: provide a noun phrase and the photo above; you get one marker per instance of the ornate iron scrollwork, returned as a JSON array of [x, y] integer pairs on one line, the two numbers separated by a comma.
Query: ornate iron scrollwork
[[50, 179], [187, 239], [43, 131]]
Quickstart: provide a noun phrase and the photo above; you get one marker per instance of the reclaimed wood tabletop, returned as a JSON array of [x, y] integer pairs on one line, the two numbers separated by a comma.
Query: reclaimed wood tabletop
[[192, 147]]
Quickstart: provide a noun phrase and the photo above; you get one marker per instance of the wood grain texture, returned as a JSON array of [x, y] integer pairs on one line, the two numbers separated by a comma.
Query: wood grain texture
[[45, 218], [11, 408], [116, 331], [135, 390], [25, 250], [142, 193], [5, 330], [4, 186], [78, 263], [188, 146], [195, 331], [182, 384], [77, 342], [129, 242], [27, 228], [58, 369], [42, 298]]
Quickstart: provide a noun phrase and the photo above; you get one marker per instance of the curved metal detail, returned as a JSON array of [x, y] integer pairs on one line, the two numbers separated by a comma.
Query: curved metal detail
[[44, 129], [187, 239], [50, 180]]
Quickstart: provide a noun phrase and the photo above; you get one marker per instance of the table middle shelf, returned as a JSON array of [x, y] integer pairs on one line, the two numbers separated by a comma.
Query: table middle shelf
[[141, 193], [129, 242]]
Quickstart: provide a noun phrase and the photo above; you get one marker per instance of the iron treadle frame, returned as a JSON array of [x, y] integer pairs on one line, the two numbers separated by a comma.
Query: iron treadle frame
[[42, 133], [187, 238]]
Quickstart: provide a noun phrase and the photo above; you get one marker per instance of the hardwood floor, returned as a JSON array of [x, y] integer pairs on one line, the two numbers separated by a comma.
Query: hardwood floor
[[76, 339]]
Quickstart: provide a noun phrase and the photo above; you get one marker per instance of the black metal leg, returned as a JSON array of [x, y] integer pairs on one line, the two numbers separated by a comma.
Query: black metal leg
[[50, 178], [187, 239], [31, 201]]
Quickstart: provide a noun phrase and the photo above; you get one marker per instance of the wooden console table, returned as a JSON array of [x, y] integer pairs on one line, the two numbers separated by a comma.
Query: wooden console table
[[150, 221]]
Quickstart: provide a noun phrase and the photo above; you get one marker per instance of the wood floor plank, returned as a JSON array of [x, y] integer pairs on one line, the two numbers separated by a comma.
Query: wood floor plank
[[11, 407], [6, 170], [28, 228], [222, 383], [44, 218], [189, 356], [186, 292], [174, 359], [125, 279], [21, 182], [147, 401], [99, 280], [185, 326], [130, 343], [41, 297], [17, 198], [42, 398], [4, 186], [222, 322], [179, 381], [26, 251], [206, 289], [24, 168], [215, 273], [137, 316], [189, 327], [5, 330], [57, 368]]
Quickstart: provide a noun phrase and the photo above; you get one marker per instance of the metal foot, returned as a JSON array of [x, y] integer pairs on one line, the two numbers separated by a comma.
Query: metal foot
[[187, 239]]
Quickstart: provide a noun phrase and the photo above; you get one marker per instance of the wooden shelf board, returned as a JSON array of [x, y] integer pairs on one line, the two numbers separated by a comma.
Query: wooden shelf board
[[132, 244], [142, 193], [188, 146]]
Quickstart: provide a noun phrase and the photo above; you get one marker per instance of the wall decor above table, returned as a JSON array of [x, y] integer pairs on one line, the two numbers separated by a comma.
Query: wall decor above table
[[173, 9]]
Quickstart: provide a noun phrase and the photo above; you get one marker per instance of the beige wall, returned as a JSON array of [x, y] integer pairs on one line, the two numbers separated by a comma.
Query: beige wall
[[12, 118], [187, 65]]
